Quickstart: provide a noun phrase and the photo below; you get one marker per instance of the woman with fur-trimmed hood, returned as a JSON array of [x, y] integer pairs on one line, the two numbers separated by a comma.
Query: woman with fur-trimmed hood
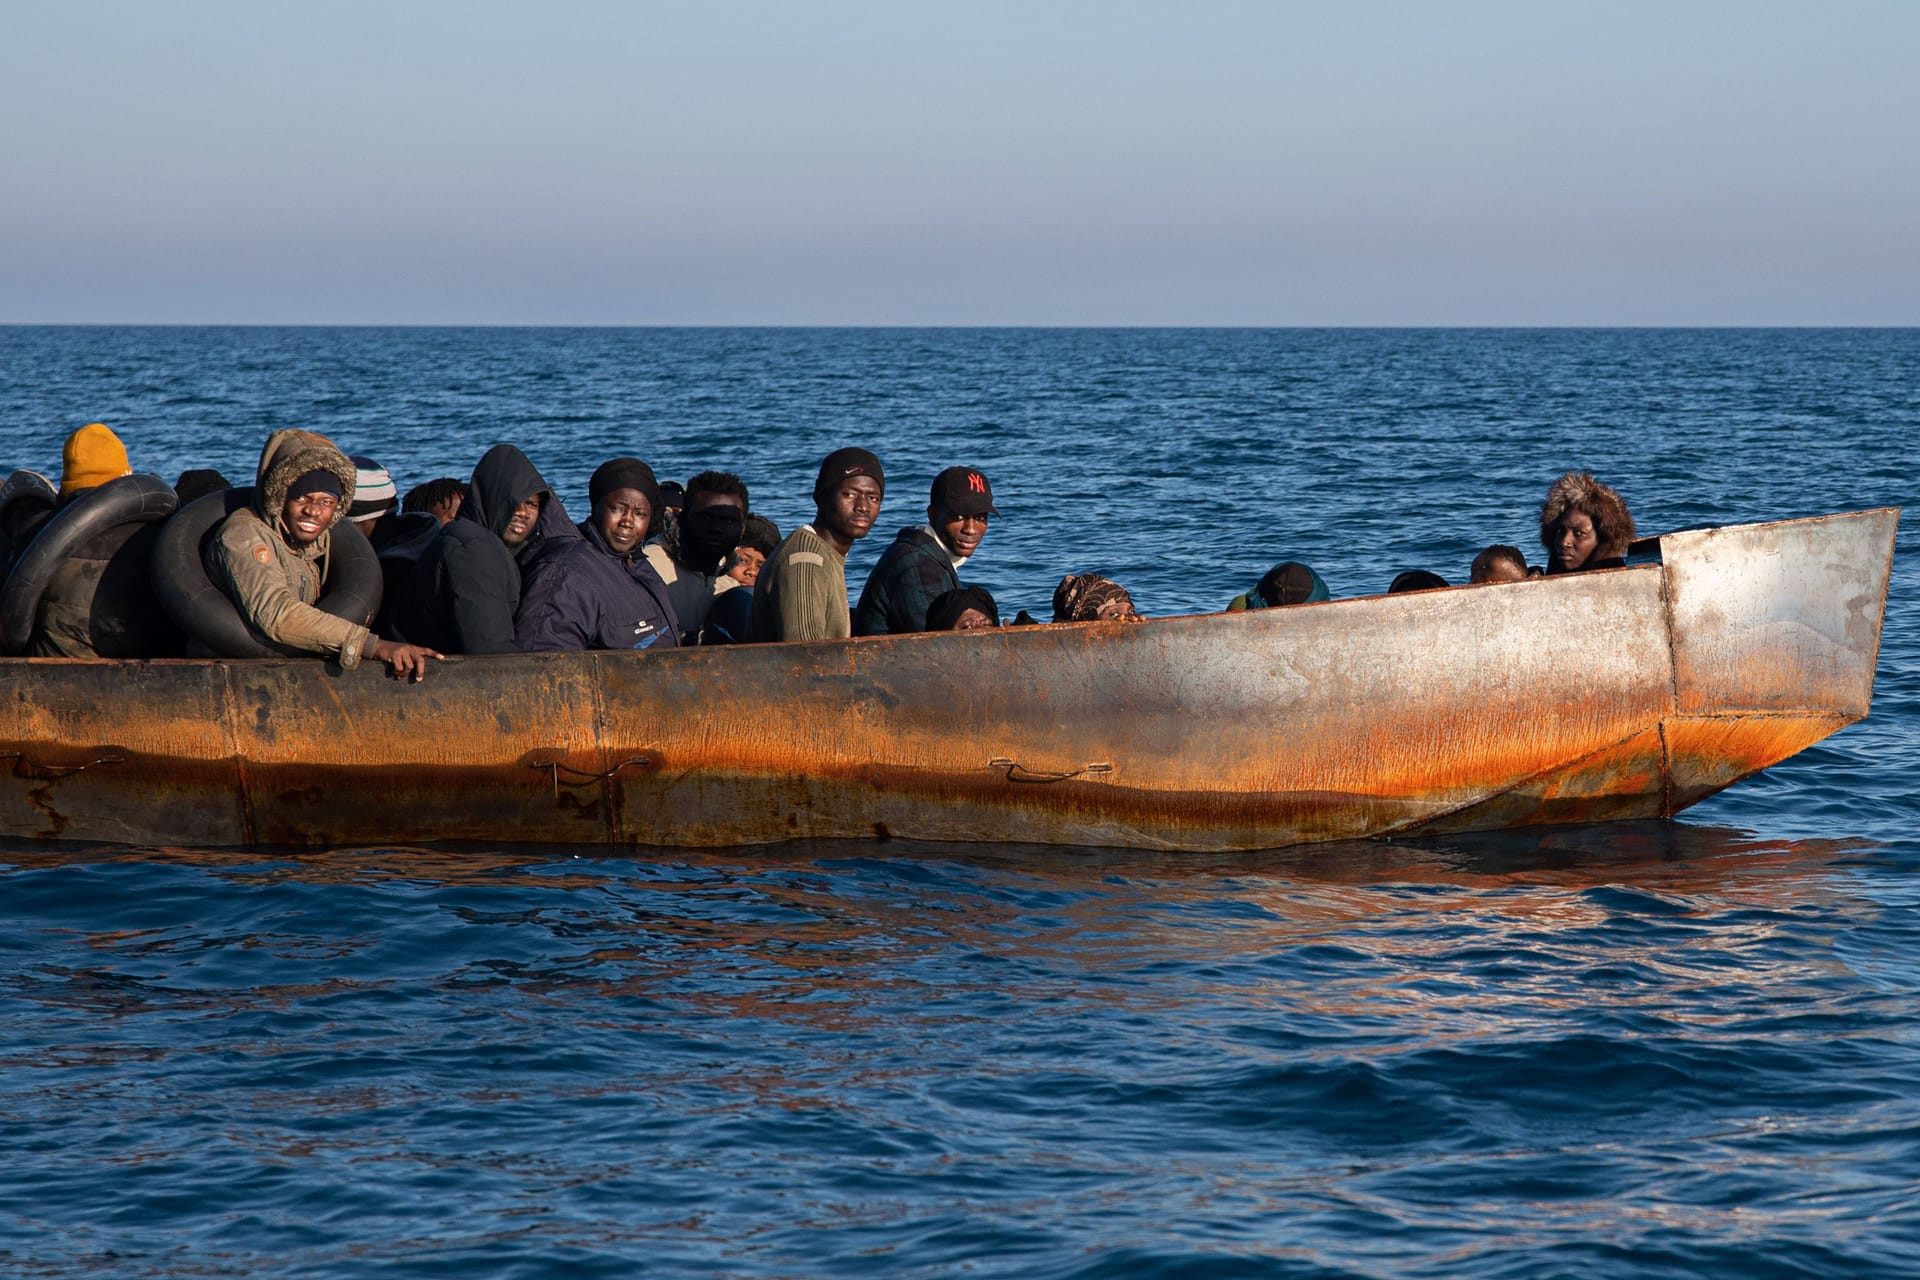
[[1584, 525], [271, 559]]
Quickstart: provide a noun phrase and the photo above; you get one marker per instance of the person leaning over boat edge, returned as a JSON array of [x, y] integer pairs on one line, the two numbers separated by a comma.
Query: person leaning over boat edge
[[801, 593], [599, 591], [462, 596], [270, 558], [924, 560], [1584, 525]]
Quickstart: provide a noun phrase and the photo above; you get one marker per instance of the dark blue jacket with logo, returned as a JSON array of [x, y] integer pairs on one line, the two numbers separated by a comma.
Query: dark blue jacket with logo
[[579, 593]]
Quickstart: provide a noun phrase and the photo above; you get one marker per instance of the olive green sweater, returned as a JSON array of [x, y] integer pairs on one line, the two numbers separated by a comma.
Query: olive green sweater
[[802, 592]]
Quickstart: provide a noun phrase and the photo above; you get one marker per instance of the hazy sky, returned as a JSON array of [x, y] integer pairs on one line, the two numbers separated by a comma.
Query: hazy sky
[[819, 162]]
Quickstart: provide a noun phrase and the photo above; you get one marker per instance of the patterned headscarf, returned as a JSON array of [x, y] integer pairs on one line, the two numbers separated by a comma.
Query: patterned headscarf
[[1079, 596]]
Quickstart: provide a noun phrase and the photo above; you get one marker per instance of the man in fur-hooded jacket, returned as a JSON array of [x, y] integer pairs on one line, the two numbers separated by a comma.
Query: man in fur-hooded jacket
[[271, 558]]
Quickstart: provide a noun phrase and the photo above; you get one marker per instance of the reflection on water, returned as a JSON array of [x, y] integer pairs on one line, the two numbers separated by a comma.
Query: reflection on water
[[1629, 1048]]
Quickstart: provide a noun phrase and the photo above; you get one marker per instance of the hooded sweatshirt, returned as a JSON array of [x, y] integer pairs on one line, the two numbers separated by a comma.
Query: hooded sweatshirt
[[462, 596], [272, 582], [399, 540]]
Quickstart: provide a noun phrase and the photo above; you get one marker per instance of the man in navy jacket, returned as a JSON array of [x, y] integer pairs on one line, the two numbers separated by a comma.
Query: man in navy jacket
[[597, 591]]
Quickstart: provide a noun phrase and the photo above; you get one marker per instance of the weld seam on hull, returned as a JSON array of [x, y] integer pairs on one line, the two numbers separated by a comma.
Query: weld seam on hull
[[1509, 789], [1666, 771], [610, 820], [243, 785], [1673, 689]]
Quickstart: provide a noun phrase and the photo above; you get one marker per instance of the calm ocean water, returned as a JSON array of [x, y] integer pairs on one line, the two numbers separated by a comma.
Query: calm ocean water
[[1638, 1050]]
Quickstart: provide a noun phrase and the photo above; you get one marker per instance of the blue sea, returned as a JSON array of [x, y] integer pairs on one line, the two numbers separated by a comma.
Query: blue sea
[[1637, 1050]]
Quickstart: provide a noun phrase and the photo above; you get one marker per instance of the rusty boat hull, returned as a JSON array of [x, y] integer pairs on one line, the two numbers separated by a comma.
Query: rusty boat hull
[[1628, 693]]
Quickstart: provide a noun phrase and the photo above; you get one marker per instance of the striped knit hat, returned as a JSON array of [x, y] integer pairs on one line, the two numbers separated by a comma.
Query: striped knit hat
[[374, 493]]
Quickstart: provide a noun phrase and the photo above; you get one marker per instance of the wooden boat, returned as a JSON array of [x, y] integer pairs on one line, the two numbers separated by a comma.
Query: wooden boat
[[1627, 693]]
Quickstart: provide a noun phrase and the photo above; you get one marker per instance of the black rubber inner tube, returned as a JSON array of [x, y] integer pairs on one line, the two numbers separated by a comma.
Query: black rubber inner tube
[[128, 500], [203, 610]]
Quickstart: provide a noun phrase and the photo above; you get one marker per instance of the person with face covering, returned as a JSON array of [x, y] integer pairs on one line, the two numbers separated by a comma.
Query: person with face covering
[[1584, 525], [463, 594], [271, 558], [688, 552], [924, 560], [1088, 597], [599, 591], [801, 593]]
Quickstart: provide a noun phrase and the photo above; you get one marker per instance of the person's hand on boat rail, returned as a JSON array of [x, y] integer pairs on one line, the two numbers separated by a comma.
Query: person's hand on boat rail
[[408, 660]]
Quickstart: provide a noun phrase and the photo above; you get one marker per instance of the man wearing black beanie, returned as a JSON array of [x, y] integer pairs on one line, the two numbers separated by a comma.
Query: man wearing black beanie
[[801, 593], [597, 591]]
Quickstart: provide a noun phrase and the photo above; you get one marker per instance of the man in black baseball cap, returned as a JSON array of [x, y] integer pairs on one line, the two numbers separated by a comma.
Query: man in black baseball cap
[[924, 560], [801, 593]]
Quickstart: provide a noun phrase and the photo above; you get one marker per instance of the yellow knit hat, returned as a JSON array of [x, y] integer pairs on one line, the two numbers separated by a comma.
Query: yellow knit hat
[[93, 456]]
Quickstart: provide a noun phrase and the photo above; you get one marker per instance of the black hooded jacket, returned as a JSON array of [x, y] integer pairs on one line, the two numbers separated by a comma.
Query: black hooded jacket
[[463, 594], [399, 539]]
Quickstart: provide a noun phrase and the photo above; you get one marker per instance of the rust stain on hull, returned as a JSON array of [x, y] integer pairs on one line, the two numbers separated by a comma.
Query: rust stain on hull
[[1445, 711], [1710, 754], [1618, 782]]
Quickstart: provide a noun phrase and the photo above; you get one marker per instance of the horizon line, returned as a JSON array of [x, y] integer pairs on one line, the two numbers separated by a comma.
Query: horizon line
[[1204, 327]]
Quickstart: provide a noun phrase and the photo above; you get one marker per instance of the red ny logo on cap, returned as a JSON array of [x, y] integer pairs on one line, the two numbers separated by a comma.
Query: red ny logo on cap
[[976, 483]]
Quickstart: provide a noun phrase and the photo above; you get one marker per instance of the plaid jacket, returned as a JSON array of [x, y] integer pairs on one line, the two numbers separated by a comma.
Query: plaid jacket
[[911, 572]]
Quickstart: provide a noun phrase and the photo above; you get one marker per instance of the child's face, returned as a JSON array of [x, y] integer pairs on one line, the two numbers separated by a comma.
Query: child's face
[[743, 566], [1504, 570]]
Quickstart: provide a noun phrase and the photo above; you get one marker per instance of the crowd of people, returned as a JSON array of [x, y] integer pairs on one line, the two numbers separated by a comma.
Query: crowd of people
[[493, 564]]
